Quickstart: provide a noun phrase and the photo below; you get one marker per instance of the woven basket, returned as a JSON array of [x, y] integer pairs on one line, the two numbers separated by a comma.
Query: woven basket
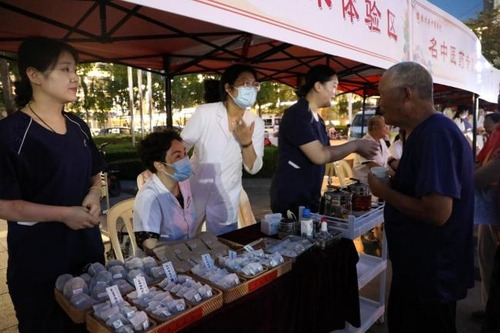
[[191, 315], [76, 315], [96, 325], [249, 285], [173, 324]]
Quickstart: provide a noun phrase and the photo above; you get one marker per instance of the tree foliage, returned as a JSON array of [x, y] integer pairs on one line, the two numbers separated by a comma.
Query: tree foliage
[[487, 28], [187, 91]]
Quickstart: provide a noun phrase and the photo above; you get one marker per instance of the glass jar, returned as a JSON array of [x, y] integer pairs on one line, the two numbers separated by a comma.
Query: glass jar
[[361, 197], [340, 204]]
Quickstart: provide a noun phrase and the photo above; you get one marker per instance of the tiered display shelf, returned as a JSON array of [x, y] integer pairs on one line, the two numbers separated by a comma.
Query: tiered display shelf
[[368, 266]]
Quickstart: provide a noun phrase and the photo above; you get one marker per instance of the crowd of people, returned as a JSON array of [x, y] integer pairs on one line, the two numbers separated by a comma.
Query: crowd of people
[[50, 187]]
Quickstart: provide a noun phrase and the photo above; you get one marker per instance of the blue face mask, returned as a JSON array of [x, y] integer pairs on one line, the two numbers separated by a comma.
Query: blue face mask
[[246, 97], [182, 170]]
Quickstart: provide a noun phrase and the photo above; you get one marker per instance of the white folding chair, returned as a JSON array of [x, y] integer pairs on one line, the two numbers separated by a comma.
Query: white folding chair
[[343, 171], [122, 211]]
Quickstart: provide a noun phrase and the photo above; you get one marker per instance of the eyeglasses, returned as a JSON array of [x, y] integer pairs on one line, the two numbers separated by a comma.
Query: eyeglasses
[[250, 84]]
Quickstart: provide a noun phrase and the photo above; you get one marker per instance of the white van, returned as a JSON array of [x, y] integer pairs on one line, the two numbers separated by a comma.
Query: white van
[[359, 125], [271, 123]]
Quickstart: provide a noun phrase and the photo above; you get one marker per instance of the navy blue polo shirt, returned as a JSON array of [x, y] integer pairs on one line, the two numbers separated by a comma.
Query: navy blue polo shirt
[[433, 262], [44, 167], [297, 181]]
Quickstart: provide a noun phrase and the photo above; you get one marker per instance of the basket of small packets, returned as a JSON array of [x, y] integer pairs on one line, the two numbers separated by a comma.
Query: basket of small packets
[[166, 306], [242, 272], [77, 294]]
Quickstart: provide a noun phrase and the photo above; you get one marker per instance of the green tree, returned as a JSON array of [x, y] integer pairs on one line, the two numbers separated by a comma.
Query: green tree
[[187, 91], [487, 28], [96, 98], [342, 105], [272, 94]]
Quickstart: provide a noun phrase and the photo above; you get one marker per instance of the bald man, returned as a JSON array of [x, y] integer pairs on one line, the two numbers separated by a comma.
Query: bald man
[[429, 207]]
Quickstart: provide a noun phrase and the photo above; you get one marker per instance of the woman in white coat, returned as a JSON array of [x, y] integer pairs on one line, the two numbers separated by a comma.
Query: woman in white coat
[[225, 135], [163, 207]]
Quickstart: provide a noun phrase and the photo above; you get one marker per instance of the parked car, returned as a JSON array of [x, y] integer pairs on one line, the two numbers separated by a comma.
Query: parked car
[[271, 123], [115, 131], [359, 125]]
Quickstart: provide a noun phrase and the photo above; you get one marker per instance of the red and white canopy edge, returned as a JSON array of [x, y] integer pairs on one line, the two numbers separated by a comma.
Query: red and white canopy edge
[[378, 33]]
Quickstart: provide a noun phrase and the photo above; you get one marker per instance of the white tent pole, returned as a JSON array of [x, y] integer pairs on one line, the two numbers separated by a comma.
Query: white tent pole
[[131, 101], [150, 100], [141, 100]]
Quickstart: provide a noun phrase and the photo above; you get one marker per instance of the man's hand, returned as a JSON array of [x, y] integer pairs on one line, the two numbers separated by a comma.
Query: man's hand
[[379, 187]]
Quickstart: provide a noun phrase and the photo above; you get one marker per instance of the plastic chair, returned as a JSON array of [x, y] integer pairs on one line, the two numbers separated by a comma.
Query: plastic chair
[[121, 211], [142, 178], [343, 171]]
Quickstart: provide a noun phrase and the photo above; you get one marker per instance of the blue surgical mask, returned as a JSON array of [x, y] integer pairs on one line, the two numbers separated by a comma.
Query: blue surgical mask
[[182, 170], [246, 97]]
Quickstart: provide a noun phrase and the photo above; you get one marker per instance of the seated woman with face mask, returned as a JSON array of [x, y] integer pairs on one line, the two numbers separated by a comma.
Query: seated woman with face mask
[[163, 208]]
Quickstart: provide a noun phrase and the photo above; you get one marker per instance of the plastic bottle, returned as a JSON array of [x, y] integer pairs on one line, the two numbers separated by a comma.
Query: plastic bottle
[[323, 235], [306, 224]]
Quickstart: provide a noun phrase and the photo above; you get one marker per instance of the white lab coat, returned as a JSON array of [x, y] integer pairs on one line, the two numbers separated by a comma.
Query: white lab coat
[[360, 169], [158, 210], [217, 165]]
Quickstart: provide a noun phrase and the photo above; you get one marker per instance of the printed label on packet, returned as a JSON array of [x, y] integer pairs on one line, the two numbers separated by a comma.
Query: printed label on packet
[[117, 324], [168, 267], [249, 248], [232, 254], [77, 291], [114, 294], [141, 285], [207, 261]]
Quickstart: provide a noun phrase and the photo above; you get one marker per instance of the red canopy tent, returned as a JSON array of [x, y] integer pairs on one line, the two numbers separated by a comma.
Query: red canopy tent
[[161, 41]]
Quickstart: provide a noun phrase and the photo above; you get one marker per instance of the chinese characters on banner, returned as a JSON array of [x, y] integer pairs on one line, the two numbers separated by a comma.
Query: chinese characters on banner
[[374, 32], [371, 12], [440, 49], [445, 46]]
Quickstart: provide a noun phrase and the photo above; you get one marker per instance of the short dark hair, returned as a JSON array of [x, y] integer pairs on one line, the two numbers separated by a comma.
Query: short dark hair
[[460, 109], [230, 76], [154, 147], [211, 90], [318, 73], [495, 117], [41, 53]]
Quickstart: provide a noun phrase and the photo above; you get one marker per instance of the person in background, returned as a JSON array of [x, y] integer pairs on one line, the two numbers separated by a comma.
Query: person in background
[[387, 138], [304, 147], [481, 113], [429, 207], [461, 119], [396, 150], [163, 207], [50, 186], [489, 174], [487, 196], [225, 135], [377, 132]]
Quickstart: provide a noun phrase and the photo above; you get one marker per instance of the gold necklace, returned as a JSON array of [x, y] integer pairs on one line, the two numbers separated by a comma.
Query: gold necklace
[[29, 105]]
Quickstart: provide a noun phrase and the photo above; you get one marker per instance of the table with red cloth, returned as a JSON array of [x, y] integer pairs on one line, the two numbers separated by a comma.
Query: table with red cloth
[[319, 294]]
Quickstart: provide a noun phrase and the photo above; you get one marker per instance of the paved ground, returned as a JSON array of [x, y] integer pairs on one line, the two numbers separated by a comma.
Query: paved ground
[[258, 192]]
